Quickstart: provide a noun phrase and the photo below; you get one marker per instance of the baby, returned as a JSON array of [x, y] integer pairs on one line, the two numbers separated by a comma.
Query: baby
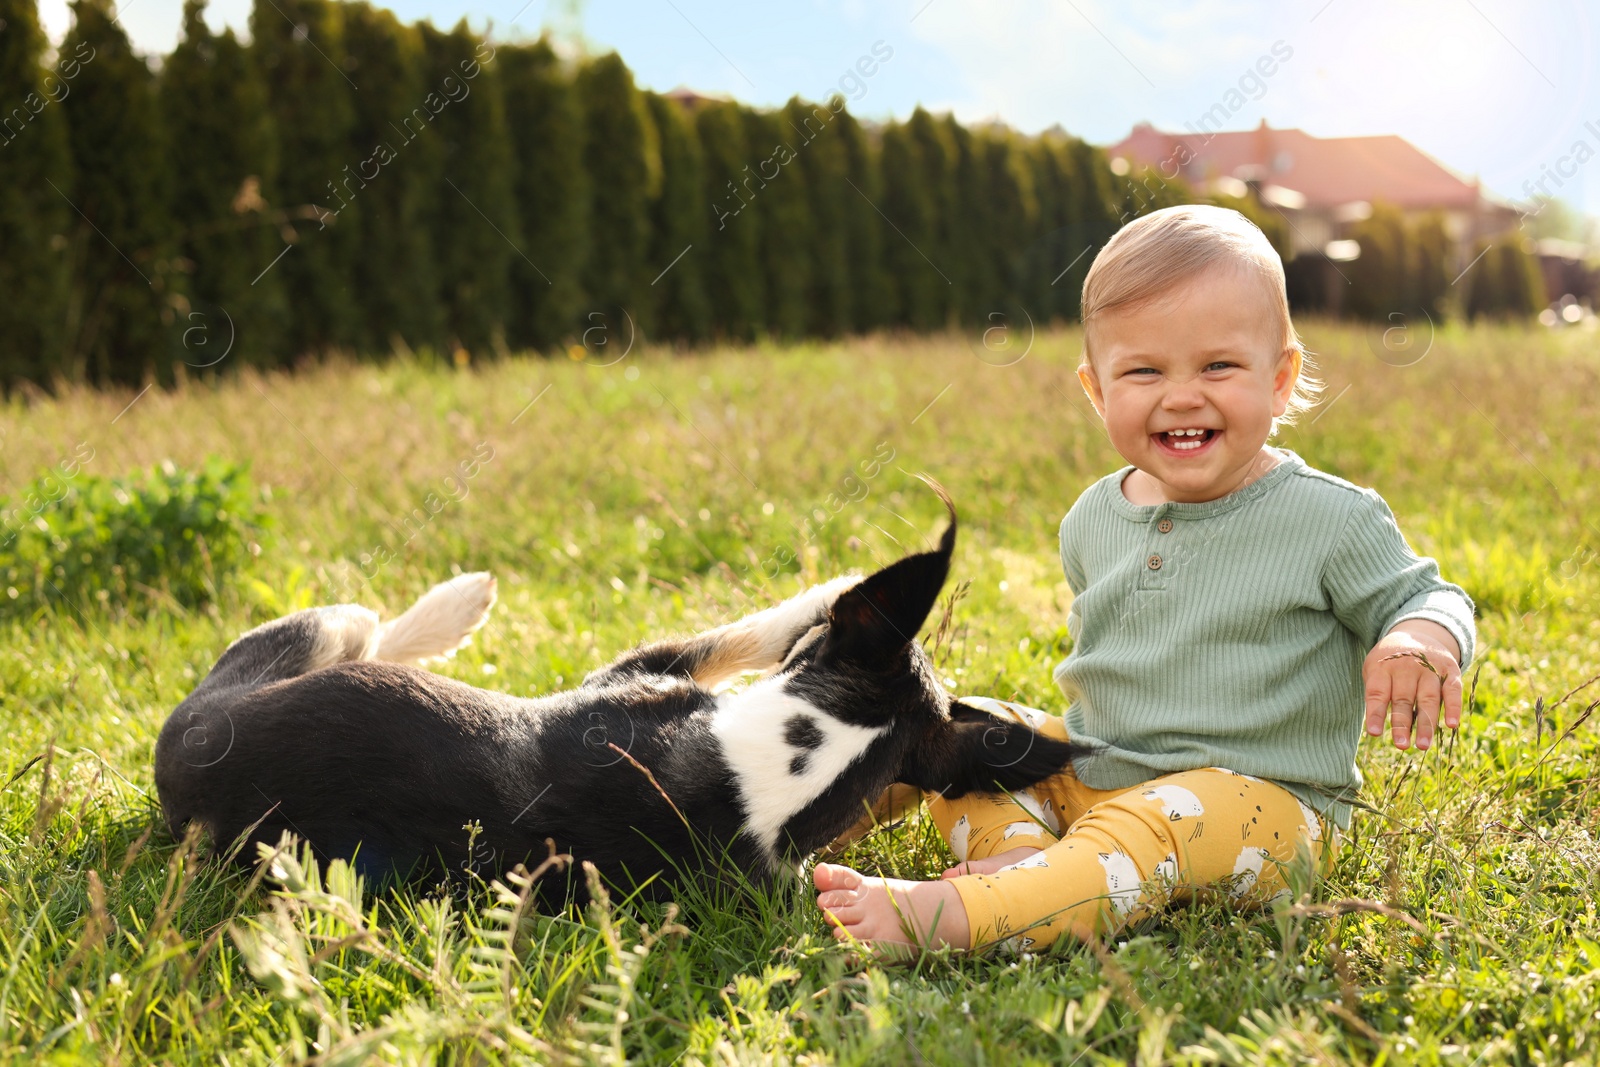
[[1233, 609]]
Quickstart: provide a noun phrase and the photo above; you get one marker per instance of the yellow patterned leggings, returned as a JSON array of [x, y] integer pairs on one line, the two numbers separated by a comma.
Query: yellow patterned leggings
[[1110, 857]]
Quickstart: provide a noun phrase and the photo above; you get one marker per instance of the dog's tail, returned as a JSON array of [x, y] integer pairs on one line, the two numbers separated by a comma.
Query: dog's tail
[[443, 621]]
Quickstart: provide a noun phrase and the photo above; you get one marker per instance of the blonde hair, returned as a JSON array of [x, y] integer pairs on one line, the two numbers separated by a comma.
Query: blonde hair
[[1155, 253]]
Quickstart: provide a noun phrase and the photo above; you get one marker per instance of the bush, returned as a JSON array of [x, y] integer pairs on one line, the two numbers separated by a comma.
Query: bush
[[1506, 283], [1404, 265], [120, 540]]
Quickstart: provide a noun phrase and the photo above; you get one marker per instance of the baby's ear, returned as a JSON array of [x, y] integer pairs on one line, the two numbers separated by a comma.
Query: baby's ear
[[1290, 361], [1091, 386]]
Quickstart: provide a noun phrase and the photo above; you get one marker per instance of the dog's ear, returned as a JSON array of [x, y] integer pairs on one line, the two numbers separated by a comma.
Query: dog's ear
[[976, 752], [872, 622]]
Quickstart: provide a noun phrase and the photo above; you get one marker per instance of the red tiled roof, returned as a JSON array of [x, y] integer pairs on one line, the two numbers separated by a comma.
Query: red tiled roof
[[691, 97], [1327, 171]]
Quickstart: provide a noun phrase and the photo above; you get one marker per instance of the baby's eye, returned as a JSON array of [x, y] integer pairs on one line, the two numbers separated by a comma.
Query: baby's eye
[[1146, 371], [1220, 364]]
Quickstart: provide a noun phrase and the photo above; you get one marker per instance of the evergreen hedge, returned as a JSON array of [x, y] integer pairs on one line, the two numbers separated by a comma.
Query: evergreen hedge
[[350, 182]]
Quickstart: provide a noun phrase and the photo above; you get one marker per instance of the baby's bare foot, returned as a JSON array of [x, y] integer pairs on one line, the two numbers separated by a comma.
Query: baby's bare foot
[[992, 864], [890, 911]]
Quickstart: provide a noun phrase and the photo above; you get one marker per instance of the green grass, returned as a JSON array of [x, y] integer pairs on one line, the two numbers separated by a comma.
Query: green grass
[[658, 495]]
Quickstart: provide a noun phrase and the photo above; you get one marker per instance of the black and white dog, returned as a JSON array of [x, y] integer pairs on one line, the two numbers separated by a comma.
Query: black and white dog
[[321, 723]]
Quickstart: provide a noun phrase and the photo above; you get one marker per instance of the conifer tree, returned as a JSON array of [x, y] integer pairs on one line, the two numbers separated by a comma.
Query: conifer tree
[[35, 218], [872, 292], [1431, 273], [678, 219], [223, 164], [1047, 257], [824, 163], [785, 229], [911, 201], [475, 223], [1010, 223], [121, 321], [1378, 279], [1074, 196], [395, 177], [1505, 282], [732, 267], [1524, 283], [545, 120], [1091, 220], [964, 224], [299, 49], [939, 157], [623, 161], [1008, 163], [990, 228], [1485, 298]]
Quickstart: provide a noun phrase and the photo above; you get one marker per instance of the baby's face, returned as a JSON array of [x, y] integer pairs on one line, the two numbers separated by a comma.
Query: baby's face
[[1189, 385]]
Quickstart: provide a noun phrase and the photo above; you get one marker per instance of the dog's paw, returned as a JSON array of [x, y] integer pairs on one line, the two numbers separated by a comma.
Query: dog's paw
[[441, 622]]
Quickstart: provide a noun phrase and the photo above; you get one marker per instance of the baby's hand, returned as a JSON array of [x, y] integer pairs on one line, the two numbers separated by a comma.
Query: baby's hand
[[1414, 669]]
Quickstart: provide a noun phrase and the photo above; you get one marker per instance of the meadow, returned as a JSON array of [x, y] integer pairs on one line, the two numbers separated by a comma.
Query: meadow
[[670, 491]]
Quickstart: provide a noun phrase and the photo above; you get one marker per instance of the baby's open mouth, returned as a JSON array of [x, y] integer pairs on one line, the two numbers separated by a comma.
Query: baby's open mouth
[[1191, 439]]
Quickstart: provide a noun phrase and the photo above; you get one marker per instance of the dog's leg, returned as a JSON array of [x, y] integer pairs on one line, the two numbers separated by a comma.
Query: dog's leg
[[295, 644], [755, 642], [200, 732], [442, 621]]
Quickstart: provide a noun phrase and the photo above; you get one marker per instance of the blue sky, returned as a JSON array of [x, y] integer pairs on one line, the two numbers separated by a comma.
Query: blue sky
[[1498, 88]]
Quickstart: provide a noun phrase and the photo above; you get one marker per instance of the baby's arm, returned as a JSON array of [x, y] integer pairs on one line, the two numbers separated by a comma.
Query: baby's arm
[[1418, 626]]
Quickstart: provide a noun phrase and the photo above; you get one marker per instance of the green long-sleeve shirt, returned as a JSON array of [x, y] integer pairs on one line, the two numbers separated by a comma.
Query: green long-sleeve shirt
[[1230, 633]]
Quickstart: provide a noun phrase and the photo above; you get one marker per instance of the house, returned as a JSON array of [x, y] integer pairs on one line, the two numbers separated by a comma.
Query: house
[[1321, 185]]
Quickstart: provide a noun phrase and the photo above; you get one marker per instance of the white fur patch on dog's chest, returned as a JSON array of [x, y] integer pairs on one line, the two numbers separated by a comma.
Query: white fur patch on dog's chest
[[784, 753]]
